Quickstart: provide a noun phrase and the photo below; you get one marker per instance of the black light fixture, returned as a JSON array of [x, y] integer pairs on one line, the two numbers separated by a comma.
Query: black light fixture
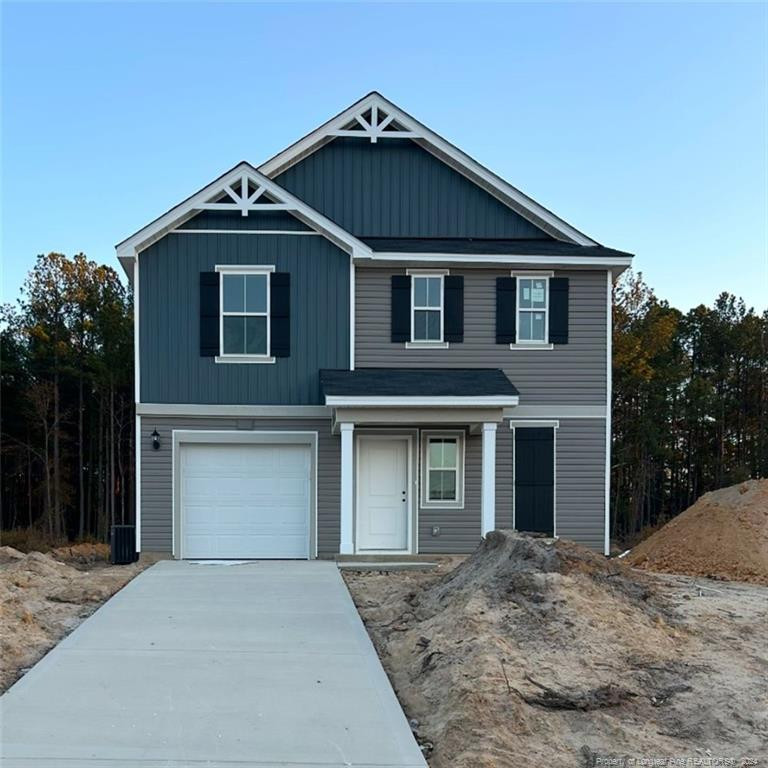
[[155, 440]]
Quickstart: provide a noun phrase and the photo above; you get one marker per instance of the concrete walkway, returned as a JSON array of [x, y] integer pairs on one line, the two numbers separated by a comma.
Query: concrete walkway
[[257, 664]]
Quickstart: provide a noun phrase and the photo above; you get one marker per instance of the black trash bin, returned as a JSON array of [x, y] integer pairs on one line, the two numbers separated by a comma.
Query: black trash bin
[[122, 545]]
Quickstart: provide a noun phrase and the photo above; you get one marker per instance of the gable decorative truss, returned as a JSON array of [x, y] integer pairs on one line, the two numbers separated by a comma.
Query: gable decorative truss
[[244, 189], [375, 118], [375, 123]]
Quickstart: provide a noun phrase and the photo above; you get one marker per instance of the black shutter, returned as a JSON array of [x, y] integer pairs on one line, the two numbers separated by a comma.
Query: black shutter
[[453, 304], [535, 479], [558, 310], [280, 314], [401, 308], [209, 314], [506, 309]]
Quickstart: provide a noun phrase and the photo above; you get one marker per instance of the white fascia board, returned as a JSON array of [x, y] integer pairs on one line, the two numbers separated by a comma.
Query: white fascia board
[[516, 260], [194, 410], [128, 249], [440, 401], [438, 146]]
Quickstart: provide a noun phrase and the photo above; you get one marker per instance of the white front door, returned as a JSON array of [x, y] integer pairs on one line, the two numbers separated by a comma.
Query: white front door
[[383, 494]]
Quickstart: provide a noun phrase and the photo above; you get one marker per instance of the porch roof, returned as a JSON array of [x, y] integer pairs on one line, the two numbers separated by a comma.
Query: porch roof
[[418, 387]]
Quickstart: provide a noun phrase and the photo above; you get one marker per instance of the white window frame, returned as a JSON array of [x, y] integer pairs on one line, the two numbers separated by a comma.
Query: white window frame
[[421, 343], [426, 436], [528, 343], [239, 269]]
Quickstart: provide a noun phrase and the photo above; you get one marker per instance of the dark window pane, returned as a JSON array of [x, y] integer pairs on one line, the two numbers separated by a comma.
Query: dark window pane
[[433, 291], [234, 293], [433, 326], [419, 291], [420, 325], [234, 335], [256, 335], [525, 326], [442, 485], [256, 293]]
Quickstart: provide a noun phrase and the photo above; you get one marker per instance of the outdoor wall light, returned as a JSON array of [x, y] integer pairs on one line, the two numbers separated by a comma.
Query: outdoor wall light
[[155, 440]]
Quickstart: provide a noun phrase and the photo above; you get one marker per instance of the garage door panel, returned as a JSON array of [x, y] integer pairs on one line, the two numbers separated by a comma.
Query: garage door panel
[[245, 501]]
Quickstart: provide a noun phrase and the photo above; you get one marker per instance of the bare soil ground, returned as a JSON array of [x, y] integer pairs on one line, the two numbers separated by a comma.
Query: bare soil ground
[[539, 652], [724, 535], [43, 597]]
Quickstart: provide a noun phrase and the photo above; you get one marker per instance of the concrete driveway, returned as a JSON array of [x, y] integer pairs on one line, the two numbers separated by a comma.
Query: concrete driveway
[[257, 664]]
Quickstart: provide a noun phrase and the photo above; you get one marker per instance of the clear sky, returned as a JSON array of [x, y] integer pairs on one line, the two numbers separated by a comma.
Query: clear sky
[[645, 126]]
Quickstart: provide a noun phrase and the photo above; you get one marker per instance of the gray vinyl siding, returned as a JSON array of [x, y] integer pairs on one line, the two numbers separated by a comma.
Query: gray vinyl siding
[[460, 529], [580, 481], [569, 374], [394, 188], [157, 480], [172, 370]]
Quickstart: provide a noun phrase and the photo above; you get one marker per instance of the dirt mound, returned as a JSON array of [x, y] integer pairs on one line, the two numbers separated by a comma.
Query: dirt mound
[[42, 600], [724, 535], [532, 649], [87, 553]]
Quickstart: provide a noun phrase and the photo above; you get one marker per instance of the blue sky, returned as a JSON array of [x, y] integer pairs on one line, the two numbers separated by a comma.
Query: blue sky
[[643, 125]]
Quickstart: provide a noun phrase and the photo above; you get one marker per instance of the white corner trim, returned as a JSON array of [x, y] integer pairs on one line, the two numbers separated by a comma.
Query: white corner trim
[[136, 333], [154, 231], [351, 314], [418, 401], [244, 359], [346, 512], [438, 146], [608, 390], [137, 481]]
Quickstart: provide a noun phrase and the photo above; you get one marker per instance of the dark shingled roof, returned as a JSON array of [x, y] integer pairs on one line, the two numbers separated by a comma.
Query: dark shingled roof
[[480, 246], [405, 382]]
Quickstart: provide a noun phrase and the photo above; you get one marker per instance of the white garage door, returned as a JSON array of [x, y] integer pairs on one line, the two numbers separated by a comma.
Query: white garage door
[[245, 501]]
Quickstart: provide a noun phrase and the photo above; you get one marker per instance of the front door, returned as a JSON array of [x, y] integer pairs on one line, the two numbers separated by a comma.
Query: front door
[[383, 494]]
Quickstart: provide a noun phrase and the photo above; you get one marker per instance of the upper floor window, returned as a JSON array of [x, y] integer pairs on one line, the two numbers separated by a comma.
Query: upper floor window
[[532, 310], [427, 308], [244, 329]]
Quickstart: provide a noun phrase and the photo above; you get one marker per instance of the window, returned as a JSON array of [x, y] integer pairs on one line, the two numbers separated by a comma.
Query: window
[[245, 313], [443, 469], [427, 313], [532, 310]]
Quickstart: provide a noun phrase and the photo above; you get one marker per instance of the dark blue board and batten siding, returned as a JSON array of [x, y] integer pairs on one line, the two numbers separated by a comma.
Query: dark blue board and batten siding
[[394, 188], [172, 370]]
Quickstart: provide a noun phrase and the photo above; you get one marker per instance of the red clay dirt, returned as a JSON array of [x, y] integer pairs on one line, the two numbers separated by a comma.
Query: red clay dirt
[[724, 535]]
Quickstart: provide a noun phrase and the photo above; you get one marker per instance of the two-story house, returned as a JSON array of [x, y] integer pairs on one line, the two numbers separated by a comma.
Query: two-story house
[[369, 344]]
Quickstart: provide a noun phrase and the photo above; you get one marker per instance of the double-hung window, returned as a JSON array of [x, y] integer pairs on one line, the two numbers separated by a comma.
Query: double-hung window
[[427, 308], [443, 472], [532, 310], [244, 301]]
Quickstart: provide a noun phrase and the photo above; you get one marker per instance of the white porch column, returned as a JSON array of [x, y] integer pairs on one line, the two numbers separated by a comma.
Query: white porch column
[[488, 481], [346, 546]]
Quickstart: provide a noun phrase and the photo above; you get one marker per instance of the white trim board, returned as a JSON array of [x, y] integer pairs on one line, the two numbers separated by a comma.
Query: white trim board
[[439, 401], [555, 412], [242, 232], [244, 411], [128, 249], [429, 140], [516, 261]]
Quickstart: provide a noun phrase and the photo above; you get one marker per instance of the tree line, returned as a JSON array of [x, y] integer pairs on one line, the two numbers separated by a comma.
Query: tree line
[[66, 350], [689, 402]]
